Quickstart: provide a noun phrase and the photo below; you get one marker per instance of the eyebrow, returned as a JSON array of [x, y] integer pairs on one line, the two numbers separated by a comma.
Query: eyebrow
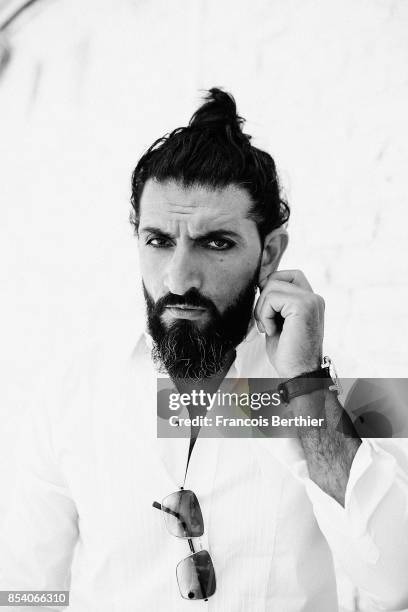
[[205, 236]]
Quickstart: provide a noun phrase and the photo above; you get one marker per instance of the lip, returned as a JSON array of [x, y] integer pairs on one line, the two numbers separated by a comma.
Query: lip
[[185, 312]]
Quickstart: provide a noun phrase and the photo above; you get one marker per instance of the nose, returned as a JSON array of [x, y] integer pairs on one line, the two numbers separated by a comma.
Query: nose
[[182, 272]]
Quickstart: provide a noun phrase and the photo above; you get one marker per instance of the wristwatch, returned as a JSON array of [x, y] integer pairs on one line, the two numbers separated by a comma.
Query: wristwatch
[[323, 378]]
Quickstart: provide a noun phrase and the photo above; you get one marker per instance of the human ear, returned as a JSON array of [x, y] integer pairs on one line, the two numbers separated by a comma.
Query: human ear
[[275, 244]]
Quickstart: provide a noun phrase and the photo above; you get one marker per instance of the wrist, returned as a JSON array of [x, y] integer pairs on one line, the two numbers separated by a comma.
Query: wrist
[[298, 369], [322, 377]]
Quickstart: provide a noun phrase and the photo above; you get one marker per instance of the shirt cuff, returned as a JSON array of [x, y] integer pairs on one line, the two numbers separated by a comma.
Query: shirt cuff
[[371, 475]]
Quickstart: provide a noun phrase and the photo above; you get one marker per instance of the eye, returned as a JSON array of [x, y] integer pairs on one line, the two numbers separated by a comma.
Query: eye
[[158, 242], [219, 244]]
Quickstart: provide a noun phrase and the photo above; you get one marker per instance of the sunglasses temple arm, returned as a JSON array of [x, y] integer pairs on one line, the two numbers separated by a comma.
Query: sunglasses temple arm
[[165, 509], [156, 504]]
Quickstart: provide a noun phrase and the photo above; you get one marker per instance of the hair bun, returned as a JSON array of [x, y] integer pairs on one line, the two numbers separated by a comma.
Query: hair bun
[[219, 109]]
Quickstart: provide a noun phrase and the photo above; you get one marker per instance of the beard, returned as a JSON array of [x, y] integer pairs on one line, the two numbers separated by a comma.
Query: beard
[[183, 350]]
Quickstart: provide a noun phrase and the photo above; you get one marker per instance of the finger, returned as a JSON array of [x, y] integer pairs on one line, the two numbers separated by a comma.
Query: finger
[[295, 277], [287, 302], [274, 287], [279, 305]]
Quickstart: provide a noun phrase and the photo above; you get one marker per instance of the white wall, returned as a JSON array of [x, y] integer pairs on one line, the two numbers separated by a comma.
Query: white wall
[[324, 86]]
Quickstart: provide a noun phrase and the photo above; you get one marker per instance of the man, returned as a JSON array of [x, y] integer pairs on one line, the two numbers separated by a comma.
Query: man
[[270, 512]]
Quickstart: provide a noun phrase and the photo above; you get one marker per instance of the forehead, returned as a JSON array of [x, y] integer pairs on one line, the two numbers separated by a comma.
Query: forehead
[[201, 207]]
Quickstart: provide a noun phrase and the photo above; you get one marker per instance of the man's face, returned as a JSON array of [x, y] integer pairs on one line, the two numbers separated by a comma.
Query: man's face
[[199, 258]]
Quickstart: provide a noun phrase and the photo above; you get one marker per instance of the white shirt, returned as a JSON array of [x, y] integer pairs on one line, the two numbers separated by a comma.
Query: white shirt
[[91, 466]]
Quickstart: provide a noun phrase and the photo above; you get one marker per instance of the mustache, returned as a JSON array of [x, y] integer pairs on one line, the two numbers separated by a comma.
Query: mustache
[[192, 297]]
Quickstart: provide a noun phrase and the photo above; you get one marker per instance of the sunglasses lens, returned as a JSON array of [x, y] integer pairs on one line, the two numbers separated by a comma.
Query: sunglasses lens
[[183, 516], [196, 576]]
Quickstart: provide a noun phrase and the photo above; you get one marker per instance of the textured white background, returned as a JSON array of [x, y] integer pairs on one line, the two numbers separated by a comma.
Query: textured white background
[[324, 86]]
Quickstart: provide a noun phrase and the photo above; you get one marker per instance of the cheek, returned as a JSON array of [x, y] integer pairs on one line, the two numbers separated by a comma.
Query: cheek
[[151, 274], [230, 278]]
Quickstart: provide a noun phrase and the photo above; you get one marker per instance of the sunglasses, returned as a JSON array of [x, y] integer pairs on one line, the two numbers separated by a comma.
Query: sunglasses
[[184, 519]]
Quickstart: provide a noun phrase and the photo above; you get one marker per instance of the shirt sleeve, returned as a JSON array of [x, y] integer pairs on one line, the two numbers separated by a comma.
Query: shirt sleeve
[[40, 528], [369, 536]]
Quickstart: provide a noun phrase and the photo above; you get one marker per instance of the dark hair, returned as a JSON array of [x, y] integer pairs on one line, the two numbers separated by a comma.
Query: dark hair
[[213, 151]]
